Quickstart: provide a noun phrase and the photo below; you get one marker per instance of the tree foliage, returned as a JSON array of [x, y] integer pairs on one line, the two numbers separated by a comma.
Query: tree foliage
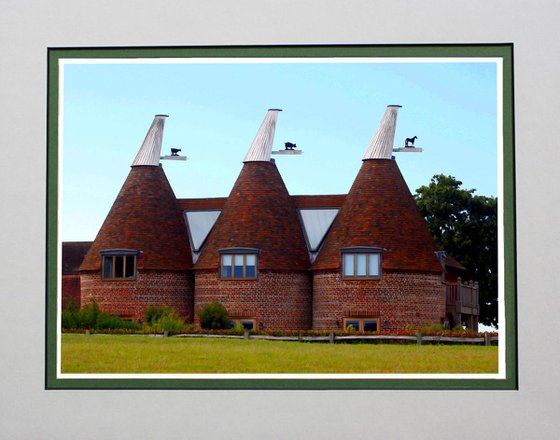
[[466, 226]]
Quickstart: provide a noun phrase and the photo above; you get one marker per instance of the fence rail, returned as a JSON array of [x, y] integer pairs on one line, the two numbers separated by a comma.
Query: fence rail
[[419, 339]]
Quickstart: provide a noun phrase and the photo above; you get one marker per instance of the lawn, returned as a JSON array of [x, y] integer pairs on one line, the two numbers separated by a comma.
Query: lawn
[[148, 354]]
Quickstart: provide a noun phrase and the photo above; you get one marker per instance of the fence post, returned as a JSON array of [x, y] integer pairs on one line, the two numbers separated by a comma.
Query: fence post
[[331, 337], [418, 338], [245, 334], [486, 338]]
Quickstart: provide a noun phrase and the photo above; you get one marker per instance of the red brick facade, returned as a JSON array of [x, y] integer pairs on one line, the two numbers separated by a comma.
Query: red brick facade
[[398, 299], [290, 292], [277, 300], [130, 298]]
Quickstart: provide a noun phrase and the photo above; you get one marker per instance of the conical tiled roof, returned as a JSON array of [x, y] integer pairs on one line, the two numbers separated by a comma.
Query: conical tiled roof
[[144, 217], [259, 213], [379, 211]]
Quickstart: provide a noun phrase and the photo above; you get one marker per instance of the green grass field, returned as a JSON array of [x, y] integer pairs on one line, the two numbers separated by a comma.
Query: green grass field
[[147, 354]]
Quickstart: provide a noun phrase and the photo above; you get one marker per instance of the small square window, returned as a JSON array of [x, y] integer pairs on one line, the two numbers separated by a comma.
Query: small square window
[[361, 263], [361, 324], [238, 265], [118, 265]]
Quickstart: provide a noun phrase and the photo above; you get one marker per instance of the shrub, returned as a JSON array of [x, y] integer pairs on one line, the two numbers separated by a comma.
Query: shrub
[[90, 317], [69, 319], [214, 316], [152, 314], [114, 322], [171, 323], [433, 328], [160, 319]]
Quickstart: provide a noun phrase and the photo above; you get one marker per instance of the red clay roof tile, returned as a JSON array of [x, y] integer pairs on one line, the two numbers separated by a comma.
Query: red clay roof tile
[[201, 204], [319, 201], [145, 217], [258, 213], [379, 211]]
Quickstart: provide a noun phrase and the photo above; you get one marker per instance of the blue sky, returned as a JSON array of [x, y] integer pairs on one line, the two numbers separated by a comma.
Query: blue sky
[[331, 110]]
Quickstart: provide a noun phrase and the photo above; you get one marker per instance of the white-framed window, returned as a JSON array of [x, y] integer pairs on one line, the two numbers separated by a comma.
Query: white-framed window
[[361, 263], [361, 324], [239, 263], [119, 264]]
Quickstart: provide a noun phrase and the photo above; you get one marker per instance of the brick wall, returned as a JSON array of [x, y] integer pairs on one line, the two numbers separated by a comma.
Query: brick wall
[[70, 290], [398, 299], [278, 300], [130, 298]]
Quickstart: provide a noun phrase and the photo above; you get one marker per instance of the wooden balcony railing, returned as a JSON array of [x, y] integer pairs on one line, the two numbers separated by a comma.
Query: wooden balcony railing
[[462, 297]]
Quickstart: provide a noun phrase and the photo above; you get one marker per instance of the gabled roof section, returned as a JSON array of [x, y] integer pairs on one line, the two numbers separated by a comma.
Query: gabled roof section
[[261, 148], [73, 253], [144, 217], [319, 201], [448, 262], [207, 204], [260, 214], [150, 150]]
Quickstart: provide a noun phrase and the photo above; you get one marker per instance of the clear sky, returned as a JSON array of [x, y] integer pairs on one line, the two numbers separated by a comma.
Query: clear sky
[[330, 110]]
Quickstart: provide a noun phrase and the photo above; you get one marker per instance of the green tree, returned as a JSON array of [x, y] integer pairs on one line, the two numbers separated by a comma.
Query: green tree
[[466, 226]]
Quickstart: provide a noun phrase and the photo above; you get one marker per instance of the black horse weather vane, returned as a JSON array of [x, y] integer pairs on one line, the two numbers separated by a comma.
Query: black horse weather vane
[[410, 141]]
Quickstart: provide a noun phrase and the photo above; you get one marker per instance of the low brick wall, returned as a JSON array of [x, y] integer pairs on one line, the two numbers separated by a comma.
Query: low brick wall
[[398, 299], [70, 290], [130, 298], [278, 300]]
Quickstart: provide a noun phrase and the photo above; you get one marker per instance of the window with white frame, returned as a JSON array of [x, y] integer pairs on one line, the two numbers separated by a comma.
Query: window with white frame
[[119, 264], [361, 263], [239, 263]]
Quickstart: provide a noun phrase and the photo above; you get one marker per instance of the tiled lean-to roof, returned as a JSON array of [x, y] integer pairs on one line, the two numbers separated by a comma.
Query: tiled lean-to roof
[[73, 253]]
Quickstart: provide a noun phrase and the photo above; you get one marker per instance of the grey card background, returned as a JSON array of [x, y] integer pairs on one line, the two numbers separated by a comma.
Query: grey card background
[[27, 411]]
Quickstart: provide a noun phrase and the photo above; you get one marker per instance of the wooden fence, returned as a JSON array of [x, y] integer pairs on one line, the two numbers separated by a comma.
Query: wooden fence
[[418, 339]]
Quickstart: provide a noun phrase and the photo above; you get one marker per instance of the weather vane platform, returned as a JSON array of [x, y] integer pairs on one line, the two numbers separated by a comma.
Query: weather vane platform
[[408, 146], [289, 148], [174, 155]]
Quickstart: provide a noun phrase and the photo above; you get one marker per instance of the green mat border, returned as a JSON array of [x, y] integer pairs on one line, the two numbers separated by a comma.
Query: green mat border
[[500, 50]]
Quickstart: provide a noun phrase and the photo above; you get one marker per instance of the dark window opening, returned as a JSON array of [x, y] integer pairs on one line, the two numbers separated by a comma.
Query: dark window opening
[[119, 265]]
